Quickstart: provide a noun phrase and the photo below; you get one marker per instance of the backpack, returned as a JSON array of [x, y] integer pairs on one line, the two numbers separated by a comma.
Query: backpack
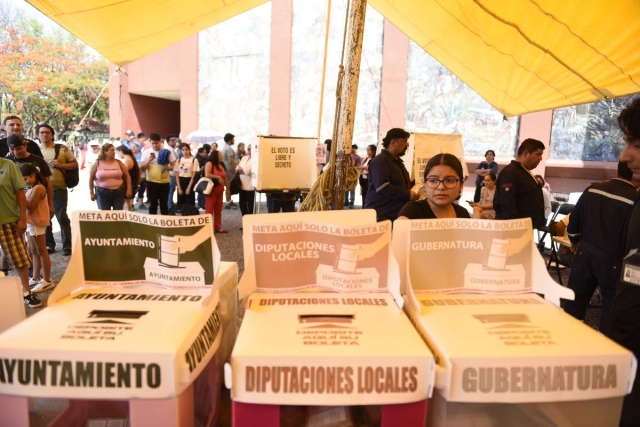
[[71, 176]]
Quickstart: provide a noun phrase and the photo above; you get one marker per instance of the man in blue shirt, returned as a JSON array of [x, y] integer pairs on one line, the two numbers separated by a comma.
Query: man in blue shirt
[[484, 169]]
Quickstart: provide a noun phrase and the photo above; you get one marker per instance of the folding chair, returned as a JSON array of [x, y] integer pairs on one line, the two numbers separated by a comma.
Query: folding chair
[[545, 228], [564, 209]]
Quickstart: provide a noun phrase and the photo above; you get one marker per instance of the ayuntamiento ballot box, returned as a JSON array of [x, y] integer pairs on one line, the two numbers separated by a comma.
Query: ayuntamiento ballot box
[[117, 345]]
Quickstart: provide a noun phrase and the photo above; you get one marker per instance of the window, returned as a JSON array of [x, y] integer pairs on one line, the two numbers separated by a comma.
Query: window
[[588, 132]]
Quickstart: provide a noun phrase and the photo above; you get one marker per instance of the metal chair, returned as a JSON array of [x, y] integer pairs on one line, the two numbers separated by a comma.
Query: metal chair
[[564, 209], [545, 228]]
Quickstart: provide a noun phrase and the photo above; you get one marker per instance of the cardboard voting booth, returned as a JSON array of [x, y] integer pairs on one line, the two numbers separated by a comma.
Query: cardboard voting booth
[[423, 146], [122, 338], [505, 355], [283, 163], [324, 324]]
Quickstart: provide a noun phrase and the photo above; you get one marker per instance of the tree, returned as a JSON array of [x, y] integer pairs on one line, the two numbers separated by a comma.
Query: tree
[[49, 78]]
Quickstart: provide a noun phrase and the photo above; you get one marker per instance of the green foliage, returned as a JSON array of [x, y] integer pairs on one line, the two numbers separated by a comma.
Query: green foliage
[[49, 78]]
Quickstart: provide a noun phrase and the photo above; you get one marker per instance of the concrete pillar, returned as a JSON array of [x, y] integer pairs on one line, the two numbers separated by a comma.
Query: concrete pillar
[[537, 126], [280, 67]]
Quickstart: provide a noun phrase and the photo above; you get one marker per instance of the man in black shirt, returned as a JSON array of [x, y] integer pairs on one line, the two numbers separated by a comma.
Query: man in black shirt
[[624, 322], [20, 156], [13, 126], [518, 194], [389, 181], [597, 231]]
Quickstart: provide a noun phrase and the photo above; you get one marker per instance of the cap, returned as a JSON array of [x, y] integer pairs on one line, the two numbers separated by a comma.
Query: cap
[[94, 142], [130, 132], [15, 141]]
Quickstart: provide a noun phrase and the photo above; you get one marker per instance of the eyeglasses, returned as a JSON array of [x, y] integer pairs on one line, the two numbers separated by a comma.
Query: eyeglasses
[[44, 132], [447, 182]]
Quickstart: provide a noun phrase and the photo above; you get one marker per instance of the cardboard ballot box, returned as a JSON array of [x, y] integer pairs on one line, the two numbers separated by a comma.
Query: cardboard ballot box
[[301, 345], [328, 349], [512, 360], [144, 340], [505, 356]]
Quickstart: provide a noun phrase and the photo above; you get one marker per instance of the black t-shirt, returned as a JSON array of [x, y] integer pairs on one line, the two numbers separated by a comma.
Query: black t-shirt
[[36, 161], [421, 210]]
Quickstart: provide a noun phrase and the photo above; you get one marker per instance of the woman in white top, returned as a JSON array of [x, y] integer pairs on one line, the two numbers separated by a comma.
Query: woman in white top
[[484, 208], [247, 194], [364, 172], [186, 170]]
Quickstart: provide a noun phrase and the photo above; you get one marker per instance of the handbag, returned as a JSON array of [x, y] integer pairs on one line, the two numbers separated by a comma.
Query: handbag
[[204, 186], [235, 185]]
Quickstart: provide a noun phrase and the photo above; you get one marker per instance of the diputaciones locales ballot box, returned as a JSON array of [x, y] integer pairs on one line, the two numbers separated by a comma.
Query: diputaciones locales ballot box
[[126, 324], [505, 356], [337, 341]]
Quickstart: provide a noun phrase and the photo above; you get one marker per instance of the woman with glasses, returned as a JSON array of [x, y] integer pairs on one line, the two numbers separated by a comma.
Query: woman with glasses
[[443, 180]]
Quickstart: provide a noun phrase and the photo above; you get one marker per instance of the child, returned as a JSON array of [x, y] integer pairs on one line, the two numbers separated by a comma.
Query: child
[[37, 223]]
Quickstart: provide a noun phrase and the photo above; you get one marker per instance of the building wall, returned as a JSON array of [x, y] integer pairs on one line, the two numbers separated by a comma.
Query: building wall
[[260, 73]]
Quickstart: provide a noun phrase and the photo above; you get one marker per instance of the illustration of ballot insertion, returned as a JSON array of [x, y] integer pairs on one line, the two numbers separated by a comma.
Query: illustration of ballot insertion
[[495, 273], [167, 269], [345, 273]]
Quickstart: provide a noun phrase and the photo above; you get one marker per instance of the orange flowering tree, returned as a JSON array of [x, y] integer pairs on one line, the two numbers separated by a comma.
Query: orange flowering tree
[[49, 79]]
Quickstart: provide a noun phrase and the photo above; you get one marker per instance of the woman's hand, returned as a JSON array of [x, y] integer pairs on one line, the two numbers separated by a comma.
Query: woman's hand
[[129, 193], [179, 191]]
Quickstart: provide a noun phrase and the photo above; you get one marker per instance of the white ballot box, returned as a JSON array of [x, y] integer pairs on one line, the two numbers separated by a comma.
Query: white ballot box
[[505, 356], [324, 324], [517, 360], [120, 342]]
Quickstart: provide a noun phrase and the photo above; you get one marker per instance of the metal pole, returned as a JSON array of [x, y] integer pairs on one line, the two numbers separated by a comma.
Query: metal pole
[[349, 95]]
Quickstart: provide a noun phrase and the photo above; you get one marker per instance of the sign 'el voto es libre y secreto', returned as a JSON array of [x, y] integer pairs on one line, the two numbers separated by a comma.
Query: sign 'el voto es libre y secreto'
[[283, 163]]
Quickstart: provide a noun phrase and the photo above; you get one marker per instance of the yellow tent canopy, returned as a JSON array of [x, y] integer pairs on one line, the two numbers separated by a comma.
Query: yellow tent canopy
[[519, 55]]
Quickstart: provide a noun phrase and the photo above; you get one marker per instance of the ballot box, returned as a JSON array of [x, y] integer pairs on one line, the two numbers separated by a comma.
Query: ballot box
[[124, 348], [340, 341], [506, 356]]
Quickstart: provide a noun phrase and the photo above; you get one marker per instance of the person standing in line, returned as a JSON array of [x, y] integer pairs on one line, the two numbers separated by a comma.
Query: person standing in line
[[484, 168], [247, 192], [126, 156], [364, 171], [357, 162], [37, 222], [157, 162], [186, 170], [13, 126], [170, 145], [215, 170], [389, 182], [229, 160], [624, 321], [20, 156], [202, 156], [13, 224], [242, 151], [109, 180], [63, 162], [518, 194]]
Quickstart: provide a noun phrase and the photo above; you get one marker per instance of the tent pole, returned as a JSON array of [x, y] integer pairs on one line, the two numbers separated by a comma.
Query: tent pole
[[324, 71], [349, 95]]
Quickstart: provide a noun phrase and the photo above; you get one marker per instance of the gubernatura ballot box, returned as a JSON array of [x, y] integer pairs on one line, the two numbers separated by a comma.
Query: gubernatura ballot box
[[300, 346], [120, 347], [505, 356]]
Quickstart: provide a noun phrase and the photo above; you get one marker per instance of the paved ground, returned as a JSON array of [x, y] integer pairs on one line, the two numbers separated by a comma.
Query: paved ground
[[44, 410]]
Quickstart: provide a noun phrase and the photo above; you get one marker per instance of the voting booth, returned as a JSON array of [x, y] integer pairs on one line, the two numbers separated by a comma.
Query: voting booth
[[324, 324], [136, 329], [506, 356], [422, 147], [283, 163]]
